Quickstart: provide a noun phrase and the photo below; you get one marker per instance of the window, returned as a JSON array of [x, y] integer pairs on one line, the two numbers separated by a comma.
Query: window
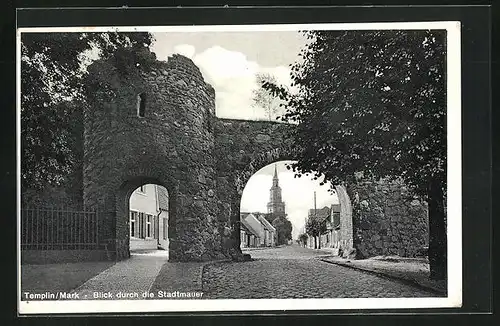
[[141, 226], [133, 223], [141, 105], [148, 226]]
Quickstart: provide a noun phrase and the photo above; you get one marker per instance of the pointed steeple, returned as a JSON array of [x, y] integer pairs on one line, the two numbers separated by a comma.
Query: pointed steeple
[[275, 204], [275, 177]]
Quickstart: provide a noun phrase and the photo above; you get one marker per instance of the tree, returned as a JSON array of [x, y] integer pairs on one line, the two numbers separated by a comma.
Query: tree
[[282, 225], [263, 98], [283, 229], [303, 239], [269, 217], [52, 70], [315, 227], [374, 102]]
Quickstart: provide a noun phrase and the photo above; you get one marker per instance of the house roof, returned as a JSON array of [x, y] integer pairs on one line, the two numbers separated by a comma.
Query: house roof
[[245, 221], [266, 223], [261, 218], [244, 228], [244, 214], [320, 213]]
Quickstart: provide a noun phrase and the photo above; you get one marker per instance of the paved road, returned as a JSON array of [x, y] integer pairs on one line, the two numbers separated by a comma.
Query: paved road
[[126, 278], [295, 272]]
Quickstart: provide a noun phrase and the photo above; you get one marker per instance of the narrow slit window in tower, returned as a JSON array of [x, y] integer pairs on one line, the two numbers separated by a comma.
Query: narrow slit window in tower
[[141, 105]]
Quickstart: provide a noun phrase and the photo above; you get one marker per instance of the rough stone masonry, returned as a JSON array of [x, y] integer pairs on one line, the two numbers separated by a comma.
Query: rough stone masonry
[[151, 121]]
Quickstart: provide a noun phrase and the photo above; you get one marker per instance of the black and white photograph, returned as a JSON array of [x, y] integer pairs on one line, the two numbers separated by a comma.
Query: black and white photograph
[[239, 167]]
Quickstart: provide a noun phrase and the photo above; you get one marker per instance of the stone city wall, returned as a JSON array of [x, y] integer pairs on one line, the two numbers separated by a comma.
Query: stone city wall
[[387, 220], [203, 161]]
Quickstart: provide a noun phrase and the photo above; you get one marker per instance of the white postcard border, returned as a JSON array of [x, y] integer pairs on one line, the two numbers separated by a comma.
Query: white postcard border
[[454, 191]]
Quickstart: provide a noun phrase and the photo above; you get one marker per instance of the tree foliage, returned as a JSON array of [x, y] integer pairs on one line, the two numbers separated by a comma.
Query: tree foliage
[[374, 102], [378, 99], [303, 239], [52, 68], [283, 227], [263, 98], [316, 226]]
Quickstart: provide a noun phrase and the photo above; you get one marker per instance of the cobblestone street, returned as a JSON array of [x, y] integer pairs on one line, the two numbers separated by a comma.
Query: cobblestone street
[[296, 272]]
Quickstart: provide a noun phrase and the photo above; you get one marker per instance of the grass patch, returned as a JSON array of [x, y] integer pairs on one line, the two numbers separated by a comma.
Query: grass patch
[[59, 277]]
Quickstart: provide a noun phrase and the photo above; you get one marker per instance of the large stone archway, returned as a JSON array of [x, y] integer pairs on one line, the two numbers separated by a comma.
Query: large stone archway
[[242, 148]]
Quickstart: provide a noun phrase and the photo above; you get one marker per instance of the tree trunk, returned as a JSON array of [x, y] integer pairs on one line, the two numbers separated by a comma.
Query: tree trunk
[[315, 242], [437, 232], [319, 242]]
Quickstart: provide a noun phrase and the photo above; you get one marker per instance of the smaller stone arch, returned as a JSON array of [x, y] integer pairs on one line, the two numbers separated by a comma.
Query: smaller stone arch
[[260, 156], [117, 203]]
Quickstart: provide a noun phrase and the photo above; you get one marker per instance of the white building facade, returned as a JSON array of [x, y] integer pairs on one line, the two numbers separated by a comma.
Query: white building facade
[[148, 223], [270, 236]]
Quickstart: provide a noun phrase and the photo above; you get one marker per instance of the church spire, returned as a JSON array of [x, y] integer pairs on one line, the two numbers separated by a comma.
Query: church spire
[[275, 204], [275, 177]]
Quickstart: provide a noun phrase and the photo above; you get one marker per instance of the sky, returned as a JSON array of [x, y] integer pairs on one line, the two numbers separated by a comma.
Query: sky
[[229, 62], [297, 193]]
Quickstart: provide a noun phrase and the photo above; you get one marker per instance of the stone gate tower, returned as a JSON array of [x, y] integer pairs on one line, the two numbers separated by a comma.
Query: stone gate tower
[[151, 121]]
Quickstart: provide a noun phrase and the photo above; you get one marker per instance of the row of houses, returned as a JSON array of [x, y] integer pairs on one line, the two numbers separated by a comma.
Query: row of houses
[[256, 231], [330, 238]]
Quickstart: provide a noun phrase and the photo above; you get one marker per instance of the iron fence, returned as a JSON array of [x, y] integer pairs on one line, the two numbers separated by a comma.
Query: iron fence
[[59, 229]]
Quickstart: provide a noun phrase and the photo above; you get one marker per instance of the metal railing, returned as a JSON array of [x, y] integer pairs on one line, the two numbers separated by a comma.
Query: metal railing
[[59, 229]]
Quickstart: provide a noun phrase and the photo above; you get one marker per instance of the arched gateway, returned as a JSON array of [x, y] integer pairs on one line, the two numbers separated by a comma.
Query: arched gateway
[[158, 125]]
